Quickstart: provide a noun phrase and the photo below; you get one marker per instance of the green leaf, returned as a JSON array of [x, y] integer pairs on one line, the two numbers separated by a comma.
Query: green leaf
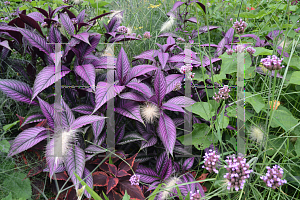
[[255, 100], [20, 188], [297, 147], [204, 109], [9, 197], [155, 192], [200, 137], [9, 126], [229, 63], [106, 198], [262, 51], [88, 189], [295, 78], [284, 118], [126, 196], [199, 76], [250, 15], [223, 121], [4, 146], [250, 73], [231, 112], [274, 143]]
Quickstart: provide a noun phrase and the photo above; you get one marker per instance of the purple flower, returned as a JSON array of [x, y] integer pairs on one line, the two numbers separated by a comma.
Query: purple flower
[[65, 1], [223, 94], [238, 172], [229, 51], [133, 34], [240, 26], [122, 29], [297, 30], [6, 18], [147, 35], [231, 19], [180, 39], [239, 48], [250, 50], [139, 36], [7, 3], [195, 196], [211, 159], [273, 177], [44, 24], [135, 179], [273, 63]]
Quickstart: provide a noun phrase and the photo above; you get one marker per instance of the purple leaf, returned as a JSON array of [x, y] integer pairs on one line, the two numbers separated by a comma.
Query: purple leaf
[[172, 80], [207, 45], [17, 90], [192, 19], [160, 86], [84, 109], [67, 116], [121, 38], [151, 142], [202, 6], [170, 40], [84, 120], [87, 73], [31, 22], [27, 139], [154, 185], [182, 101], [52, 13], [54, 35], [98, 127], [105, 92], [131, 110], [152, 53], [188, 163], [36, 16], [94, 149], [140, 70], [147, 179], [167, 132], [122, 66], [67, 23], [36, 41], [49, 113], [44, 12], [88, 179], [176, 5], [132, 96], [94, 41], [120, 133], [83, 37], [5, 44], [33, 119], [99, 16], [80, 17], [163, 58], [47, 77], [141, 87], [167, 170], [168, 35], [115, 22], [160, 161], [172, 107], [75, 162]]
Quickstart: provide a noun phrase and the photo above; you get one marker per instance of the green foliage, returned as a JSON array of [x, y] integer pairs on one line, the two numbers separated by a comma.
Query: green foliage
[[20, 188]]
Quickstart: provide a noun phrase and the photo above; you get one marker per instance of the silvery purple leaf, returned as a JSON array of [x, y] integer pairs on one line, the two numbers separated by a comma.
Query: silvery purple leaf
[[5, 44], [80, 16], [17, 90], [94, 149], [54, 35], [220, 48], [182, 101], [168, 35], [67, 23], [132, 96], [99, 16], [139, 70], [166, 170], [36, 41], [83, 37], [192, 19], [178, 121], [84, 109], [207, 45], [105, 92], [67, 116], [121, 38], [153, 185], [47, 77], [88, 179], [172, 107], [188, 163], [152, 53], [132, 137], [49, 113], [122, 66], [98, 127], [52, 13], [120, 133], [163, 58], [87, 73], [131, 110], [163, 157], [84, 120], [271, 35], [33, 118], [172, 80], [160, 86], [258, 41], [75, 162], [27, 139], [171, 40], [59, 169], [115, 22], [176, 5], [141, 87], [94, 41], [36, 16], [151, 142], [167, 132]]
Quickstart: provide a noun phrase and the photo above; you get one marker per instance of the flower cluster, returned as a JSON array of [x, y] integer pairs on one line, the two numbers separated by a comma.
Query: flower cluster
[[139, 36], [122, 29], [147, 35], [250, 50], [239, 48], [195, 196], [229, 51], [211, 159], [238, 172], [273, 63], [240, 26], [65, 1], [273, 177], [7, 3], [297, 30], [74, 20], [180, 39], [187, 69], [135, 179], [223, 94]]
